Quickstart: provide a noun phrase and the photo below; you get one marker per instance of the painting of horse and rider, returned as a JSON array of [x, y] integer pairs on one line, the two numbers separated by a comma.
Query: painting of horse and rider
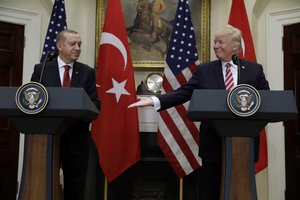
[[149, 26]]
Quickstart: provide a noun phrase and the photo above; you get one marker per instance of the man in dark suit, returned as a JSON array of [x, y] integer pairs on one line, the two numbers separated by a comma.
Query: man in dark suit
[[74, 146], [227, 42]]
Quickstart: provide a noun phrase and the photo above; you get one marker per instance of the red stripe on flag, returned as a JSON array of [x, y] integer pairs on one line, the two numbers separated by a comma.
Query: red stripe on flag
[[193, 68], [184, 147], [190, 125], [182, 111], [179, 138], [181, 79], [167, 86], [170, 155]]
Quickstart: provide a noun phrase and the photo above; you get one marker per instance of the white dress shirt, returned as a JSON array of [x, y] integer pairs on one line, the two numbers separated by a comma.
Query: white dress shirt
[[61, 68], [234, 72]]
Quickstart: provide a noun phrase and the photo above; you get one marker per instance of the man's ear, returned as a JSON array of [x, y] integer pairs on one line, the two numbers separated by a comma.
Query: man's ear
[[236, 49], [58, 46]]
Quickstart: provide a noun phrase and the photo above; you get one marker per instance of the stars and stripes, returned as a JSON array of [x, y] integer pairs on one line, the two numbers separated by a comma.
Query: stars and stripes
[[57, 23], [177, 136]]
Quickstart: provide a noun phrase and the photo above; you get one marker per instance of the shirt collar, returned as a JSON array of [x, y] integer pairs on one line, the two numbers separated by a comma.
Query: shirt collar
[[231, 62], [61, 63]]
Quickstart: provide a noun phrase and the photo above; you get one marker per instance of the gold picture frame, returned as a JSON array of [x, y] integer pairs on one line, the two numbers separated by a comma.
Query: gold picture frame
[[144, 58]]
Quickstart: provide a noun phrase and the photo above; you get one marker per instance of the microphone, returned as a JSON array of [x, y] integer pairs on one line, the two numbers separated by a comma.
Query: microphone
[[236, 60], [49, 57]]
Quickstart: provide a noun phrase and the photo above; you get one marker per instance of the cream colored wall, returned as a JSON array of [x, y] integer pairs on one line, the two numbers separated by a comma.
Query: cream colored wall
[[81, 17], [270, 49]]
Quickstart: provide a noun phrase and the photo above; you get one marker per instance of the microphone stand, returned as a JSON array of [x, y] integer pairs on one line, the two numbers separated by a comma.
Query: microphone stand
[[49, 56], [236, 60]]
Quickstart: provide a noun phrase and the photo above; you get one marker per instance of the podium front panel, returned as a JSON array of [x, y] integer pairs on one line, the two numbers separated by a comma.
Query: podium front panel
[[212, 105]]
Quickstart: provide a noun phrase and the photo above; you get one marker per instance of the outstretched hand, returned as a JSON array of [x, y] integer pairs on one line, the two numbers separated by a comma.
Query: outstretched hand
[[142, 101]]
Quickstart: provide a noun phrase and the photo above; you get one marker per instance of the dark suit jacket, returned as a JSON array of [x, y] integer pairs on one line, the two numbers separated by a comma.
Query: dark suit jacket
[[83, 76], [210, 76]]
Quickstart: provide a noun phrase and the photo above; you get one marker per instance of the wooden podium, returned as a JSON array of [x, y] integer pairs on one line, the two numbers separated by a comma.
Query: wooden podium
[[40, 174], [238, 178]]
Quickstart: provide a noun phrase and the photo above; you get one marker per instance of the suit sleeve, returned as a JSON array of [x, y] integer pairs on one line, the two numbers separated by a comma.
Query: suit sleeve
[[36, 73], [92, 90], [181, 94], [263, 84]]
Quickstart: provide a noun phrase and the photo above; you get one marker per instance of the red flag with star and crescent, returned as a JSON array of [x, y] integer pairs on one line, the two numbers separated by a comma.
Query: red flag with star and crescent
[[115, 131], [239, 19]]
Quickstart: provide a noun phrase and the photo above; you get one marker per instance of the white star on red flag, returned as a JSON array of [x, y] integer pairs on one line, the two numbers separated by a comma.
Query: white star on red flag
[[118, 89], [116, 130]]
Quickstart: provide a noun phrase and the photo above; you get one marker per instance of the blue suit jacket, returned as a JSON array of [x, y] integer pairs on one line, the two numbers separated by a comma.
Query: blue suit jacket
[[210, 76]]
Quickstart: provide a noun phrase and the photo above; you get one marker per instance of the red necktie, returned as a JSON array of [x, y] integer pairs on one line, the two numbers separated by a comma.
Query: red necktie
[[228, 77], [66, 81]]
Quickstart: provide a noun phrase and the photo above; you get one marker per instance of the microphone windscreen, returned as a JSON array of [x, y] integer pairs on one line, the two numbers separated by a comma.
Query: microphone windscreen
[[235, 59], [51, 56]]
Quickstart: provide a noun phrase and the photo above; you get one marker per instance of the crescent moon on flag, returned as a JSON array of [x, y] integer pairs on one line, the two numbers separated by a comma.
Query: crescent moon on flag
[[243, 46], [109, 38]]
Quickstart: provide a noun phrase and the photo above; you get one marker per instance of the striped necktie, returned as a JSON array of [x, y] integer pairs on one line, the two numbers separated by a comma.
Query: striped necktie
[[228, 77]]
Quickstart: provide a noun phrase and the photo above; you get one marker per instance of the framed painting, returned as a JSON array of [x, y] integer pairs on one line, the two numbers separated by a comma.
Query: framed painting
[[146, 52]]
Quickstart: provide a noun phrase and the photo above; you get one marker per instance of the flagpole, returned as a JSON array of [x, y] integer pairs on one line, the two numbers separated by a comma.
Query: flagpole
[[105, 188], [181, 189]]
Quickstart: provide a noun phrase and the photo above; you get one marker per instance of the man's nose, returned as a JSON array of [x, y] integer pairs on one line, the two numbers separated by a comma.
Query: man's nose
[[77, 46], [216, 45]]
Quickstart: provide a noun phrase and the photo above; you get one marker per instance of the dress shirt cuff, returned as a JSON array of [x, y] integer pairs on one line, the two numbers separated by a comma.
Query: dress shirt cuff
[[156, 102]]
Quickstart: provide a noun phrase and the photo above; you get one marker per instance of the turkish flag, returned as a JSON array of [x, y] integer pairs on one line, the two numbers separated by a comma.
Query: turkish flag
[[239, 19], [115, 131]]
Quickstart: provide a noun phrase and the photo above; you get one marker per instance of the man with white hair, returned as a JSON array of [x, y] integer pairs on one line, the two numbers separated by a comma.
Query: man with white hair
[[212, 75]]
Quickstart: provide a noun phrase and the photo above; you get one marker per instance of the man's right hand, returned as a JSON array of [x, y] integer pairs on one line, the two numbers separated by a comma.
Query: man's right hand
[[142, 101]]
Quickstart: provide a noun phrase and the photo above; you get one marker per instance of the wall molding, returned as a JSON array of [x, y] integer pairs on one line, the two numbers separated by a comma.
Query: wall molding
[[31, 20], [275, 74]]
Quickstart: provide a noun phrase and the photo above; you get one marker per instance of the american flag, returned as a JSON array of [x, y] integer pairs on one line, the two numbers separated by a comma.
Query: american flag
[[177, 136], [57, 23]]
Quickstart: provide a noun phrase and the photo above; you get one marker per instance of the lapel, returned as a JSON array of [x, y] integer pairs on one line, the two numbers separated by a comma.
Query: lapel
[[242, 72], [75, 75], [219, 74], [53, 73]]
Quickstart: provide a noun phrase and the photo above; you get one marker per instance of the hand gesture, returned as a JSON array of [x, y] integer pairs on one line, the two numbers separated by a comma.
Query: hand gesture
[[142, 101]]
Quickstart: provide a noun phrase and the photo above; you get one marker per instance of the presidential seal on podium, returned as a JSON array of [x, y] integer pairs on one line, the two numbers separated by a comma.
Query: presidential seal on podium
[[32, 98], [243, 100]]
